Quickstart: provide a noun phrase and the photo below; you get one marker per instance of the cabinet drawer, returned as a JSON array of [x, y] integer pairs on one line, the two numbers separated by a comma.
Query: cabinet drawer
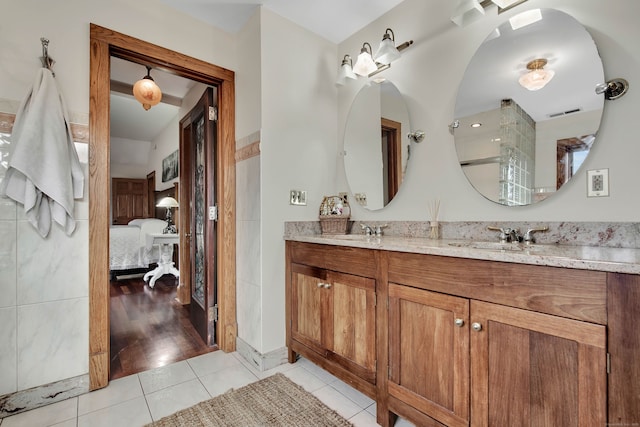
[[337, 258], [575, 294]]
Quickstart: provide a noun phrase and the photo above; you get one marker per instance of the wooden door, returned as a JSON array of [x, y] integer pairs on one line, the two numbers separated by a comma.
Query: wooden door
[[391, 136], [129, 200], [534, 369], [353, 340], [429, 353], [151, 194], [311, 308], [198, 135]]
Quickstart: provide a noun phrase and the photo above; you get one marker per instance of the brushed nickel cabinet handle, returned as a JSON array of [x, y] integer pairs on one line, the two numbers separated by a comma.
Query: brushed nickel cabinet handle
[[459, 323], [476, 326]]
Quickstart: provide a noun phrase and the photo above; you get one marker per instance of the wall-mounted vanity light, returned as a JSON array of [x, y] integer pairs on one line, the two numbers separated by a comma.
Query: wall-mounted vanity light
[[346, 71], [537, 77], [147, 91], [468, 11], [367, 64], [364, 64], [387, 52]]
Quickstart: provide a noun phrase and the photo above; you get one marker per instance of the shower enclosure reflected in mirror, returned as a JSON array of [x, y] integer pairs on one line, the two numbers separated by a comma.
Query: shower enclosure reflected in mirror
[[376, 144], [518, 146]]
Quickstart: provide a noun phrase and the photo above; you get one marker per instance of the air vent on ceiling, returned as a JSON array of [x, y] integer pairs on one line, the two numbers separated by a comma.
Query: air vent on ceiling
[[564, 113]]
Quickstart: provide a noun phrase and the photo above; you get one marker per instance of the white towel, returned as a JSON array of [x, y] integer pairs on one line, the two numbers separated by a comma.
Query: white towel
[[44, 171]]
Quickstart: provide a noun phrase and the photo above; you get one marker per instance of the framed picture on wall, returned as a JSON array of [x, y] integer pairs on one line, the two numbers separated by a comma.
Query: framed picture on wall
[[170, 167]]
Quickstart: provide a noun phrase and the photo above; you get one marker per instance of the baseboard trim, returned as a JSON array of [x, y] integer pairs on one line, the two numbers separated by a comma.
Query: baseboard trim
[[25, 400], [262, 362]]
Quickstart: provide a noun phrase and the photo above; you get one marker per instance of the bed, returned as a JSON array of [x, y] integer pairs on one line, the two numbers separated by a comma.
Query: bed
[[127, 244]]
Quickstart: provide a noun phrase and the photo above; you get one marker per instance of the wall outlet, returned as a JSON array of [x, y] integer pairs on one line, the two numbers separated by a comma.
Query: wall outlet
[[598, 183], [343, 196], [298, 197], [361, 198]]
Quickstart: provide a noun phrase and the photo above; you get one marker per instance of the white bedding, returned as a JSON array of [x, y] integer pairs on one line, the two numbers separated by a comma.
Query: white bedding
[[127, 244]]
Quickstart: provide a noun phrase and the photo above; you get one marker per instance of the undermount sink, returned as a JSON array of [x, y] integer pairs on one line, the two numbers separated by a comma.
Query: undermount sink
[[494, 246]]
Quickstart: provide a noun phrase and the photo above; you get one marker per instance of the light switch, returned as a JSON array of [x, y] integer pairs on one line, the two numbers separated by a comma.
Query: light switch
[[298, 197], [598, 183]]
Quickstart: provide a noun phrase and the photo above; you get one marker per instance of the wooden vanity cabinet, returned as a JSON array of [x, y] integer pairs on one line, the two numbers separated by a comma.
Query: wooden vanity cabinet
[[429, 354], [465, 342], [459, 361], [332, 312]]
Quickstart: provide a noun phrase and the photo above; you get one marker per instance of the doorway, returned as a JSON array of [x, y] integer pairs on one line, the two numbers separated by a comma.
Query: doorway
[[105, 43]]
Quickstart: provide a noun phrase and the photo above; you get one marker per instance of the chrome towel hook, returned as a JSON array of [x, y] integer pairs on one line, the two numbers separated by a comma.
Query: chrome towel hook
[[47, 61]]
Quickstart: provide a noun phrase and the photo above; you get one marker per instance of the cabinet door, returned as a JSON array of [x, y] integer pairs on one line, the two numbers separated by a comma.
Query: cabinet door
[[429, 353], [353, 342], [311, 310], [534, 369]]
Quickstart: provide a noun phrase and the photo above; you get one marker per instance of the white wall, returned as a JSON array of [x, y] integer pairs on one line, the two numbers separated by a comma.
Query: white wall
[[164, 144], [248, 190], [298, 147], [429, 73]]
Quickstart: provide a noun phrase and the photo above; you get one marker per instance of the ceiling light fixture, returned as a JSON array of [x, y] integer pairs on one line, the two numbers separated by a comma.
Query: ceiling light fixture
[[537, 77], [346, 71], [506, 4], [147, 91], [525, 18], [468, 11]]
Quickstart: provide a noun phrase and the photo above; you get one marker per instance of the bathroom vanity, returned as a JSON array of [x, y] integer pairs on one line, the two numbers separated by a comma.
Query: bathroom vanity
[[450, 333]]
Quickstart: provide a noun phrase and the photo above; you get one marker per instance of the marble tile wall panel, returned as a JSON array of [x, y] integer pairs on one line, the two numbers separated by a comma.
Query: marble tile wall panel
[[248, 232], [7, 263], [248, 251], [53, 268], [8, 355], [52, 341], [248, 189], [249, 313]]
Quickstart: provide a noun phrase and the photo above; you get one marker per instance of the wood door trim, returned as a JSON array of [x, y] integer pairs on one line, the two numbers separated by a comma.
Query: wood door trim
[[105, 43], [394, 154]]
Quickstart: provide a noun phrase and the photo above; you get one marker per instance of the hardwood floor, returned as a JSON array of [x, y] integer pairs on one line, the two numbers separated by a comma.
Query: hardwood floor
[[149, 328]]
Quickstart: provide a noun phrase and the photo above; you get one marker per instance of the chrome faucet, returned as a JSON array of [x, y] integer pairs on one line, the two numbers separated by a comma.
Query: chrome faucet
[[528, 236], [507, 234], [378, 229], [368, 231]]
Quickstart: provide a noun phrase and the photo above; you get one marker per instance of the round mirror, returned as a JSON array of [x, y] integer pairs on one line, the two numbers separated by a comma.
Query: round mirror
[[376, 145], [527, 112]]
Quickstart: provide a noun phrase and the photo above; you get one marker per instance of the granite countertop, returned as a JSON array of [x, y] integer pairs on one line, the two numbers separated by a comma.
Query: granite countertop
[[616, 260]]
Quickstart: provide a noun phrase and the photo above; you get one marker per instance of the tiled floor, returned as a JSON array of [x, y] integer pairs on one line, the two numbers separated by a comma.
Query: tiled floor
[[139, 399]]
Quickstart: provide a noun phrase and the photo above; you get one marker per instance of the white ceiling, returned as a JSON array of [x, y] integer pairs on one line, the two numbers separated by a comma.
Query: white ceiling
[[335, 20]]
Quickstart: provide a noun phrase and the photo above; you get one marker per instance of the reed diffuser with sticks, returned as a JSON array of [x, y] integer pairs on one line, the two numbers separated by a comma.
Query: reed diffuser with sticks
[[434, 226]]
